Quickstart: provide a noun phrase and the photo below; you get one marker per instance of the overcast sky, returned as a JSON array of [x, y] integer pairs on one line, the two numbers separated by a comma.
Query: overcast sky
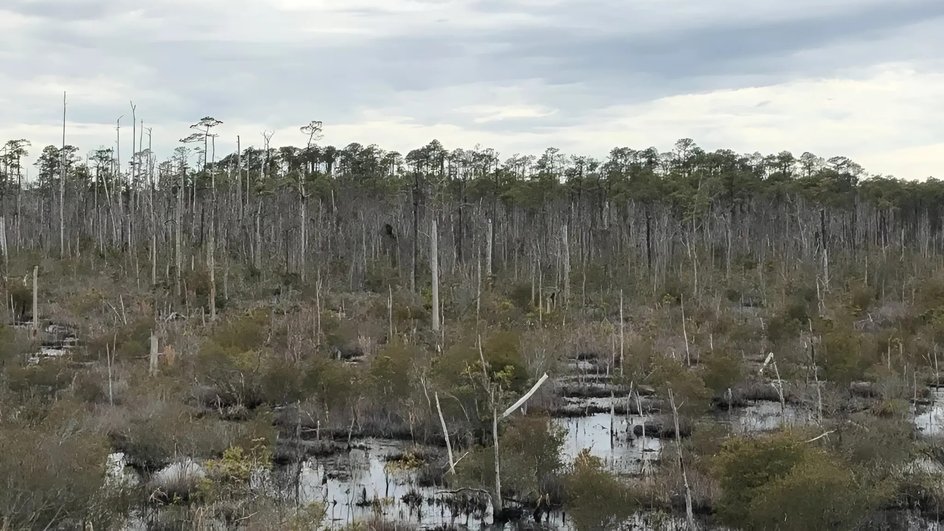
[[861, 78]]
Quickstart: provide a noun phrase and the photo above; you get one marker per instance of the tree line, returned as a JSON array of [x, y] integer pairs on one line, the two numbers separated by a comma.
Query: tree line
[[358, 212]]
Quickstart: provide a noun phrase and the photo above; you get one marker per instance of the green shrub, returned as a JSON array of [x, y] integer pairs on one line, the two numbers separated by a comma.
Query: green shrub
[[722, 370], [520, 295], [51, 474], [43, 379], [782, 482], [389, 373], [530, 448], [690, 392], [841, 355], [461, 364], [125, 341], [595, 499]]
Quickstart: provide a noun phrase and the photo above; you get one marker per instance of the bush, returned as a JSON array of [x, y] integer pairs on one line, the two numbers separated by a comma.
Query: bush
[[690, 392], [595, 498], [126, 342], [530, 450], [43, 379], [520, 295], [722, 370], [51, 474], [782, 482], [841, 356], [390, 374], [461, 364]]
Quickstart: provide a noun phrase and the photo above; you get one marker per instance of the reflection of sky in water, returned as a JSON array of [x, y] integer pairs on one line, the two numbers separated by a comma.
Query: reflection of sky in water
[[763, 416], [340, 481], [930, 420], [623, 454]]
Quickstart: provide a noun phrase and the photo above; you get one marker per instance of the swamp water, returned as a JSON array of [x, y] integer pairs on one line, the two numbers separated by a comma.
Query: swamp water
[[362, 483]]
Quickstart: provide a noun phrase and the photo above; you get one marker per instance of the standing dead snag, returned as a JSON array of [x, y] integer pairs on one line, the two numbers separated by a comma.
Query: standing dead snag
[[494, 395], [62, 183], [211, 265], [776, 384], [35, 301], [689, 513], [313, 130], [442, 420], [488, 250], [622, 340], [434, 266], [565, 242], [152, 358]]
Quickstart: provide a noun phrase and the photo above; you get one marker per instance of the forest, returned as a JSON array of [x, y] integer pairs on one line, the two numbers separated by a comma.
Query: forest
[[349, 338]]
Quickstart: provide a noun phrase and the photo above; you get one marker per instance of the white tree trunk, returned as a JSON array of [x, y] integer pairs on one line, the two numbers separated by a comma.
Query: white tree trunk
[[442, 420], [488, 250], [498, 497], [35, 301], [434, 266], [565, 241], [62, 183], [152, 359], [689, 513], [211, 265]]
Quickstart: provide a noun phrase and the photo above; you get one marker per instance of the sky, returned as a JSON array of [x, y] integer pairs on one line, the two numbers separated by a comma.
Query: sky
[[858, 78]]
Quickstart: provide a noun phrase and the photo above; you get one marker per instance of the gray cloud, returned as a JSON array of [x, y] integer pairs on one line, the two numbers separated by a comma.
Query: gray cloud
[[431, 62]]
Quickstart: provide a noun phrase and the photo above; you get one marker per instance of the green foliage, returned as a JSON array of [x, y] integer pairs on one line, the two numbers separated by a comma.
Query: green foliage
[[380, 275], [43, 379], [125, 341], [198, 283], [21, 300], [690, 392], [782, 482], [390, 373], [52, 473], [722, 370], [595, 498], [242, 333], [841, 355], [793, 316], [861, 298], [307, 518], [333, 383], [520, 295], [239, 369], [10, 345], [461, 364], [531, 447], [229, 477], [157, 431]]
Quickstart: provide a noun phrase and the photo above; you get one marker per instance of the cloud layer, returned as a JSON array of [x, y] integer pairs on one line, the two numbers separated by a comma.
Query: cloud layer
[[861, 78]]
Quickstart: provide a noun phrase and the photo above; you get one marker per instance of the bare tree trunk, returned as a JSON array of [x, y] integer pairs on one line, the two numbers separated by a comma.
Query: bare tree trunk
[[3, 246], [257, 254], [152, 358], [489, 235], [416, 199], [211, 265], [178, 228], [442, 420], [151, 212], [689, 513], [498, 496], [62, 183], [565, 241], [35, 301], [434, 266], [390, 312], [622, 334]]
